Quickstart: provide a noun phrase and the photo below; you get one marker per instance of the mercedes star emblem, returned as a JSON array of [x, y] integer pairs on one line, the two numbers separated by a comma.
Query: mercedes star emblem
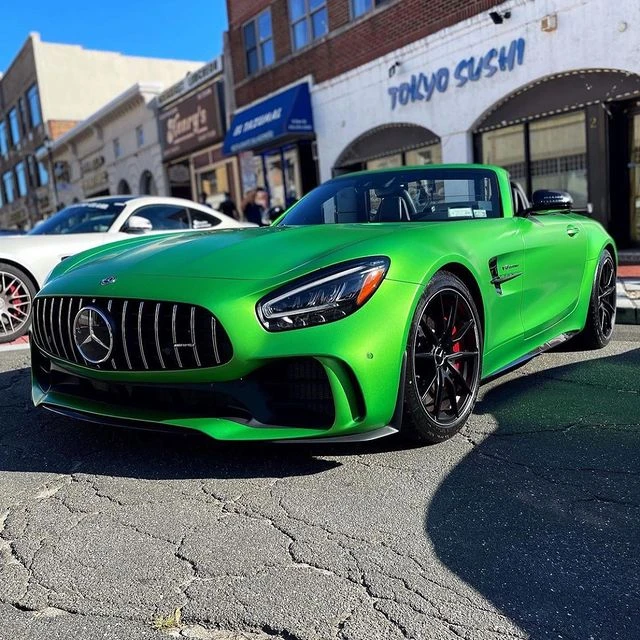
[[108, 280], [93, 335]]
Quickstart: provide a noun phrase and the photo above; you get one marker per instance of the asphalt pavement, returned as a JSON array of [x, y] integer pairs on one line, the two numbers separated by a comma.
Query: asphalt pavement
[[525, 525]]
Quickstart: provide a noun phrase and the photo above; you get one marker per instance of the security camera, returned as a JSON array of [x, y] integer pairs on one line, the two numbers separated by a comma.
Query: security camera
[[499, 18]]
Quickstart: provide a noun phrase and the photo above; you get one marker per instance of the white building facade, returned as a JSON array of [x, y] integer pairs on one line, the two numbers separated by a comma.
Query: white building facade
[[549, 89], [114, 151]]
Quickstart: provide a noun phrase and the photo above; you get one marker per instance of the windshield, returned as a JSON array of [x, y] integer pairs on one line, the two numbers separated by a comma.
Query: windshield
[[84, 217], [401, 195]]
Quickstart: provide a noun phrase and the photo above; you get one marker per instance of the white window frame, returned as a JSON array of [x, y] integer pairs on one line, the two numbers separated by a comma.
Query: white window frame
[[375, 4], [307, 19], [258, 42]]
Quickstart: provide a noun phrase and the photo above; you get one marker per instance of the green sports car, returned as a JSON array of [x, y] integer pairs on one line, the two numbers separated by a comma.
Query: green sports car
[[378, 303]]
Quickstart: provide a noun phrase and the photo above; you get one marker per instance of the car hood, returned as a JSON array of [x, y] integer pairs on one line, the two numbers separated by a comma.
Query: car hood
[[237, 254]]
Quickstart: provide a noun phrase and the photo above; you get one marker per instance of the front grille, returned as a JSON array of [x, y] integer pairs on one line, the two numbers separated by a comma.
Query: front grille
[[147, 335]]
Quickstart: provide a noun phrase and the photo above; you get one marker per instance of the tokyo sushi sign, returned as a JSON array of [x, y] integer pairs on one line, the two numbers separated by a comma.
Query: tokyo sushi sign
[[423, 86]]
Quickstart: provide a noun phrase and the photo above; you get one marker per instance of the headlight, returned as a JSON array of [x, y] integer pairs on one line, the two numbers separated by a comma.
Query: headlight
[[324, 296]]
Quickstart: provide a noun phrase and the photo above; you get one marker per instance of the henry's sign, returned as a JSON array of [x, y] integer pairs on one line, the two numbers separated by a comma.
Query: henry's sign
[[422, 87], [190, 123]]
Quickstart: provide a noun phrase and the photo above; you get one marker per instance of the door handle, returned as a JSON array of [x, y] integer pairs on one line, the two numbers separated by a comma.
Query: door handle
[[572, 230]]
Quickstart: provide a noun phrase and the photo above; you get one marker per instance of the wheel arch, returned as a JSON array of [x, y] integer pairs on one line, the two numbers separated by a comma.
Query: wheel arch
[[22, 268], [464, 273]]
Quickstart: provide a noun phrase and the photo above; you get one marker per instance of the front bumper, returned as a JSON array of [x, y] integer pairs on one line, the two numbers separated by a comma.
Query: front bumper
[[335, 380]]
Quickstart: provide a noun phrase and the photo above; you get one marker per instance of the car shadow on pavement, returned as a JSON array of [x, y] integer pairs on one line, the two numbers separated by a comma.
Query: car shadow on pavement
[[36, 440], [542, 517]]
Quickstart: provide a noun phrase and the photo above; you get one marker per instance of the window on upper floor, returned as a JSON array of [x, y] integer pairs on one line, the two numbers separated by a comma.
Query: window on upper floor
[[21, 179], [117, 152], [4, 140], [23, 120], [9, 191], [308, 21], [258, 43], [14, 126], [360, 7], [140, 136], [35, 116], [43, 174]]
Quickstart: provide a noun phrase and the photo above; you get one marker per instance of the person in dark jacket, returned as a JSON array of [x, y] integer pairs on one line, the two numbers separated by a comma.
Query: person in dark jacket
[[228, 206], [254, 206]]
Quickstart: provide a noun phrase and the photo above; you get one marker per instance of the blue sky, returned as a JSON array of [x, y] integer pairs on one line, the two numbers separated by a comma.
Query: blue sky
[[187, 29]]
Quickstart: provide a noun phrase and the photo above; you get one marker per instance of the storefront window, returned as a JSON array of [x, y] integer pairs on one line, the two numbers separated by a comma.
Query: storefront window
[[385, 163], [505, 148], [634, 174], [212, 184], [559, 155], [427, 155], [43, 174], [292, 176], [275, 179]]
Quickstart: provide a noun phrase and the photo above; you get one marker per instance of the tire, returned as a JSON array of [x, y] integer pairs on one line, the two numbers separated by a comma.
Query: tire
[[444, 362], [601, 316], [16, 298]]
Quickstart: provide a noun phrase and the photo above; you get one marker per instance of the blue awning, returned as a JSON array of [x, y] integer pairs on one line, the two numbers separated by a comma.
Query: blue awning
[[275, 119]]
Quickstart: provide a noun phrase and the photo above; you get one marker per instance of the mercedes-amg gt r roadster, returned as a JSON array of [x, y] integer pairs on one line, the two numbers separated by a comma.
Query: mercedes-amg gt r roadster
[[378, 303]]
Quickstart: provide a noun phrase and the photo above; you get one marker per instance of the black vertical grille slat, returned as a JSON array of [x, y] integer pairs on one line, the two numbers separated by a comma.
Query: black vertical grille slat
[[148, 335]]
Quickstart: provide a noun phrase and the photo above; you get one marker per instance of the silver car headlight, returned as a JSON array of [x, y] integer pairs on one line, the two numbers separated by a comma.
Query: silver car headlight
[[324, 296]]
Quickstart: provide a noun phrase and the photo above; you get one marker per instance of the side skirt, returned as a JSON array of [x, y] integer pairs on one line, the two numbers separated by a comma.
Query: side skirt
[[516, 364]]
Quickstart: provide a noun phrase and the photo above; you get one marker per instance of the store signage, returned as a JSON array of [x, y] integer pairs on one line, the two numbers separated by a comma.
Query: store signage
[[287, 113], [95, 182], [423, 86], [191, 81], [92, 164], [190, 123]]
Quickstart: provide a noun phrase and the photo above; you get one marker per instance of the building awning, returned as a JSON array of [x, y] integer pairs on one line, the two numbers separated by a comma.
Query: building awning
[[284, 116]]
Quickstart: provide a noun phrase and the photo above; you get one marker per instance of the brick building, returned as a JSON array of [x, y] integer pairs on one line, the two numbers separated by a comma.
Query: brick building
[[47, 89], [550, 89]]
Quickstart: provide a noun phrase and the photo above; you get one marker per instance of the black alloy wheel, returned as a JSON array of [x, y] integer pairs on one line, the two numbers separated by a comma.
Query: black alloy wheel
[[16, 298], [607, 296], [601, 316], [444, 361]]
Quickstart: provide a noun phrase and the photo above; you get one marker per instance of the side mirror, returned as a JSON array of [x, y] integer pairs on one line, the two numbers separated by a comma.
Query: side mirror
[[138, 224], [544, 200]]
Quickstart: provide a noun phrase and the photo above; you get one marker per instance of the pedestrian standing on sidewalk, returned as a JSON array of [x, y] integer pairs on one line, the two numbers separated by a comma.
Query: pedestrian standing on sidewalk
[[254, 206], [228, 207]]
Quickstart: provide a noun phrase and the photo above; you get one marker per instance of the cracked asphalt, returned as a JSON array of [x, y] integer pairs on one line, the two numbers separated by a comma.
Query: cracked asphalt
[[525, 525]]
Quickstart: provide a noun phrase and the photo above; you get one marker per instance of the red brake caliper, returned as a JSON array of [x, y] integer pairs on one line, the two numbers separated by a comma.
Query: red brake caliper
[[456, 348]]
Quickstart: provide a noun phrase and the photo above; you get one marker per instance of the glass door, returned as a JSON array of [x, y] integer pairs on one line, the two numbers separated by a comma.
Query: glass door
[[634, 177]]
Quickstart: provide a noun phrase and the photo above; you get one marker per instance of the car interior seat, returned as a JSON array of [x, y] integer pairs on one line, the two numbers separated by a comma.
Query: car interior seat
[[396, 207], [520, 200]]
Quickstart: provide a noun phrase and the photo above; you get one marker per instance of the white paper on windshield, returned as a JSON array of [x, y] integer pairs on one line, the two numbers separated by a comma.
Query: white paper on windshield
[[460, 212]]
